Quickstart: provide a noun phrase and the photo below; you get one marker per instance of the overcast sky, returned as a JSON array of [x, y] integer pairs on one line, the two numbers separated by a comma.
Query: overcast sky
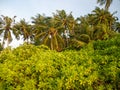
[[29, 8]]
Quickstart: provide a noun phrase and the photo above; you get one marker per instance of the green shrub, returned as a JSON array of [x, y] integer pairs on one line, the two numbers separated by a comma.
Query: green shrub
[[30, 67]]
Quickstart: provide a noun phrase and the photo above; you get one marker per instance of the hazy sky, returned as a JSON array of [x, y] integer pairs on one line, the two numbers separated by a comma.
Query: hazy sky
[[29, 8]]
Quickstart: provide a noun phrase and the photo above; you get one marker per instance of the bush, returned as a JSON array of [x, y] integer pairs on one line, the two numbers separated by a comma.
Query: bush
[[30, 67]]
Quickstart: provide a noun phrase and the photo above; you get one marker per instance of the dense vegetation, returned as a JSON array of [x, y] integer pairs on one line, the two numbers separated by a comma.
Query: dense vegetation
[[61, 30], [94, 67], [62, 52]]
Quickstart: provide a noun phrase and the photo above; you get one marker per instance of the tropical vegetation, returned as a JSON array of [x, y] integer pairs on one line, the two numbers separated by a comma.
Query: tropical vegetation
[[61, 52], [62, 30], [30, 67]]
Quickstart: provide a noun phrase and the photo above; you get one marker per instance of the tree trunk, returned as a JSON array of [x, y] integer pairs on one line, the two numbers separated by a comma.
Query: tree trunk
[[7, 42]]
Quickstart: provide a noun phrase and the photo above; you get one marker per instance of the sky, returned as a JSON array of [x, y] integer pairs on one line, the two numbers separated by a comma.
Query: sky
[[30, 8]]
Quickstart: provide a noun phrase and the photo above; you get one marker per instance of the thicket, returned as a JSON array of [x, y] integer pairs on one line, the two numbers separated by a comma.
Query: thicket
[[94, 67]]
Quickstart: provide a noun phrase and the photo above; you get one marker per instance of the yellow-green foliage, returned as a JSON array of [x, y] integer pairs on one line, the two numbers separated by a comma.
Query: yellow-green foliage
[[30, 67]]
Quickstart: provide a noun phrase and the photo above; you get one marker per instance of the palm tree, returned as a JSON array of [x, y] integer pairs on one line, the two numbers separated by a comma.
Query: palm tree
[[6, 29], [61, 19], [71, 24], [101, 16], [84, 32], [65, 20], [24, 29], [52, 39], [102, 22], [67, 24], [106, 2], [94, 26], [40, 25], [47, 32]]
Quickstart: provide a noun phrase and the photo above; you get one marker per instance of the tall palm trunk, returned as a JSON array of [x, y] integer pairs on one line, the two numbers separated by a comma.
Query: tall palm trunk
[[7, 42], [51, 44], [3, 42]]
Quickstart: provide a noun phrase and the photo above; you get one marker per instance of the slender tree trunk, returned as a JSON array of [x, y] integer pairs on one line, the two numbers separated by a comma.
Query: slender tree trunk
[[51, 44], [3, 43], [27, 41], [7, 42]]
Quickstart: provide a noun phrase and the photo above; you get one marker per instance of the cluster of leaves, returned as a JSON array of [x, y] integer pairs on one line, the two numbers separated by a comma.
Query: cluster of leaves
[[29, 67]]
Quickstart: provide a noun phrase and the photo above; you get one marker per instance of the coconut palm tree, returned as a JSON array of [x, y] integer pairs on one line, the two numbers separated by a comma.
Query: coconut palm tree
[[6, 29], [67, 24], [107, 3], [40, 25], [65, 20], [61, 19], [97, 25], [52, 39], [102, 22], [47, 32], [84, 31], [102, 17], [24, 29]]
